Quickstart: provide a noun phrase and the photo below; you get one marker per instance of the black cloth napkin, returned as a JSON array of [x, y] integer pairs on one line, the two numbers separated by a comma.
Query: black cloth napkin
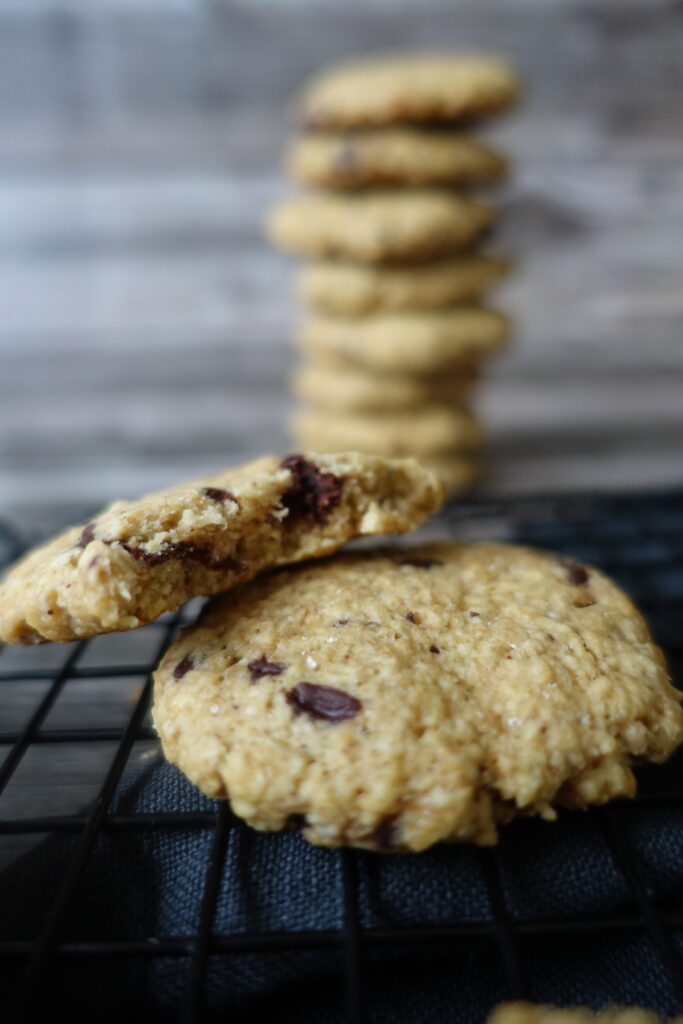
[[142, 884]]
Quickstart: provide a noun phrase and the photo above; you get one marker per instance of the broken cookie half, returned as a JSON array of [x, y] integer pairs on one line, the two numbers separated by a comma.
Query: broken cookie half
[[139, 559]]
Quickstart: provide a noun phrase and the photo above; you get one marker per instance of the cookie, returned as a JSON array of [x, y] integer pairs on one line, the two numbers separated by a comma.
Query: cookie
[[346, 389], [139, 559], [528, 1013], [356, 289], [399, 156], [391, 700], [432, 88], [421, 343], [423, 430], [374, 227]]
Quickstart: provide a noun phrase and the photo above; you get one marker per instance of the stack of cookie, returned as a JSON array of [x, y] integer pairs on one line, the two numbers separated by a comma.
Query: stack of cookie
[[396, 338]]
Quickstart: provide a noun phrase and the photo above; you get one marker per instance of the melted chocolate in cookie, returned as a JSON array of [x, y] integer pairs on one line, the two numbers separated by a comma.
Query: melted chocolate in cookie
[[183, 550], [312, 494]]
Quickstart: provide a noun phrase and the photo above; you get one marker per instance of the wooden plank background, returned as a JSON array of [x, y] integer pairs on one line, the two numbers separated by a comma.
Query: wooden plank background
[[144, 322]]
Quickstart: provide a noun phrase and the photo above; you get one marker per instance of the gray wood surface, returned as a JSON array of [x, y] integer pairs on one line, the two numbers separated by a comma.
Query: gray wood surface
[[144, 323]]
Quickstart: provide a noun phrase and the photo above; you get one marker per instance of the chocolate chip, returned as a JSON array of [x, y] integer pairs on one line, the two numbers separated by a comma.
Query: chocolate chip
[[312, 494], [411, 618], [182, 550], [323, 702], [216, 494], [551, 637], [342, 622], [295, 823], [87, 534], [475, 615], [576, 573], [422, 563], [434, 649], [262, 667], [183, 667], [384, 836]]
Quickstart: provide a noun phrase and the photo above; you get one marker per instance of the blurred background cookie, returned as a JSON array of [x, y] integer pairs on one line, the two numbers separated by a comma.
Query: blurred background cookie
[[409, 89], [375, 227], [398, 156], [354, 289], [393, 235]]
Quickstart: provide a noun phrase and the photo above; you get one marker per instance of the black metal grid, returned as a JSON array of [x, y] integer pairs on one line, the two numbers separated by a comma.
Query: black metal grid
[[637, 539]]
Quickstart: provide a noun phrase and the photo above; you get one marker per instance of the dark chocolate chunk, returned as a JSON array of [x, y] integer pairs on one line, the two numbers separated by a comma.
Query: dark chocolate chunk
[[422, 563], [577, 574], [87, 534], [216, 494], [295, 823], [312, 494], [384, 836], [342, 622], [323, 702], [475, 615], [434, 649], [551, 637], [181, 550], [262, 667], [411, 618], [183, 667]]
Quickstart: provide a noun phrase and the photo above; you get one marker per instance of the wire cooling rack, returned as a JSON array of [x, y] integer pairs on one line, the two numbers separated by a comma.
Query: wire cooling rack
[[74, 724]]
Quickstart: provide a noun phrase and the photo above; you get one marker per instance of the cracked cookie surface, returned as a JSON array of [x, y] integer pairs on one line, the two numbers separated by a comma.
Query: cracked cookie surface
[[394, 699], [139, 559]]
